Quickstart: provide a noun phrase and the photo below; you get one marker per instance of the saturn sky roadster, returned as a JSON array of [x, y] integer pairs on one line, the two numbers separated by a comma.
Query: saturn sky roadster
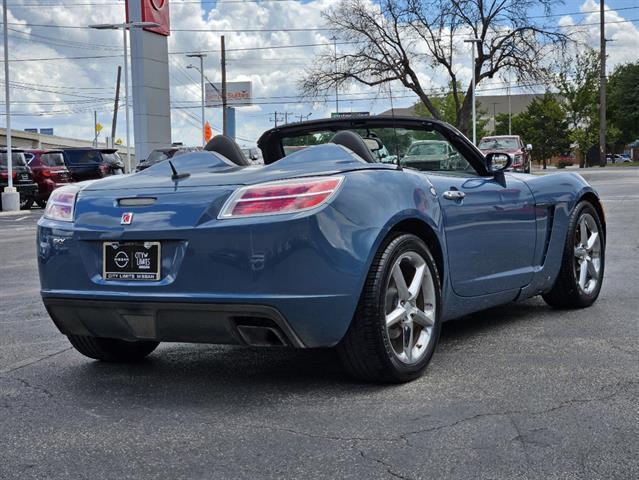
[[341, 239]]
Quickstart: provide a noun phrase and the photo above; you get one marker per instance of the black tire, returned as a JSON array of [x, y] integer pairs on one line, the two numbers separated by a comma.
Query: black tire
[[111, 349], [565, 292], [27, 203], [366, 350], [41, 203]]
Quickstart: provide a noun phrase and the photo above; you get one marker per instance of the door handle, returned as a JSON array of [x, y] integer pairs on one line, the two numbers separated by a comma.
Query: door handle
[[453, 195]]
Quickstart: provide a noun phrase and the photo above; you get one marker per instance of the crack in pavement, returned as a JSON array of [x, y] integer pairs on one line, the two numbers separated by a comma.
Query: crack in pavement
[[404, 437], [31, 361], [388, 466]]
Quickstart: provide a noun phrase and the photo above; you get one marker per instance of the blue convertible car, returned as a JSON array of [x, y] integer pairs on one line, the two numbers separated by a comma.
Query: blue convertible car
[[324, 245]]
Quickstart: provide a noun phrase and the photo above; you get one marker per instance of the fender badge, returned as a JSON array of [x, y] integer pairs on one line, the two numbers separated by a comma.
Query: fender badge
[[127, 218]]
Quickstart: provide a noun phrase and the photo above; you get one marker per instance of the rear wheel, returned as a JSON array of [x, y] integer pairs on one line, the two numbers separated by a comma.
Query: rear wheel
[[396, 326], [111, 349], [41, 203], [582, 268], [26, 203]]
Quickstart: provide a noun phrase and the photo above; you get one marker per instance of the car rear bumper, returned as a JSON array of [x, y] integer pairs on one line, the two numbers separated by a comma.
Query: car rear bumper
[[26, 190], [256, 325]]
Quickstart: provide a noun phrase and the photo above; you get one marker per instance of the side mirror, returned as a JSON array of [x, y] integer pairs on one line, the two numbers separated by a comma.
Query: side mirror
[[498, 162], [529, 147]]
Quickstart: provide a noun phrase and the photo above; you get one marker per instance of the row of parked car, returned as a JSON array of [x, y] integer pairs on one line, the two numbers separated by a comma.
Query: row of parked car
[[36, 173]]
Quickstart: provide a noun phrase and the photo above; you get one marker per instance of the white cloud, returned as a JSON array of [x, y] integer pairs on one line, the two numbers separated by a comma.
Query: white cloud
[[274, 72]]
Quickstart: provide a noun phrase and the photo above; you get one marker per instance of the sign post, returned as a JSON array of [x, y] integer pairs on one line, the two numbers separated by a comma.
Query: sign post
[[150, 76]]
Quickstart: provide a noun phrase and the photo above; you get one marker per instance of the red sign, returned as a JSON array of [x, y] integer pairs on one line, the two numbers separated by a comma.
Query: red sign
[[156, 11]]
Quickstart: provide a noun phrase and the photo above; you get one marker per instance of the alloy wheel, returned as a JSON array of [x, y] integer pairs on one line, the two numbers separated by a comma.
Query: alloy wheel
[[587, 254], [410, 304]]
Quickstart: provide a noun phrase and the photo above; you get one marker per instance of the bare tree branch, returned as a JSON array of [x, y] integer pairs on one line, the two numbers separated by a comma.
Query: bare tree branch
[[412, 41]]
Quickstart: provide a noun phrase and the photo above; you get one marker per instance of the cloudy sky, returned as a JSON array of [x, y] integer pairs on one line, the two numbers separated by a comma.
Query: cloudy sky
[[60, 75]]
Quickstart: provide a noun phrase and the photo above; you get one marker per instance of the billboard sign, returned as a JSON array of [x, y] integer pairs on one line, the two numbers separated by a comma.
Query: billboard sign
[[349, 114], [238, 94], [156, 11]]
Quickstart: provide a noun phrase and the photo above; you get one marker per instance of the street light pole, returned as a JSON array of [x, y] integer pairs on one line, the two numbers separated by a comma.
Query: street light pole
[[125, 27], [10, 197], [335, 70], [201, 57], [473, 41]]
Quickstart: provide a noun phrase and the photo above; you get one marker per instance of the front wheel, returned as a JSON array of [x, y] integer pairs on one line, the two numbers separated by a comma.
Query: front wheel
[[582, 268], [111, 349], [396, 326]]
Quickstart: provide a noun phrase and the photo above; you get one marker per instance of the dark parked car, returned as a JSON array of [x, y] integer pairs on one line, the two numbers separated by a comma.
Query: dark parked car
[[160, 154], [49, 172], [510, 144], [22, 177], [88, 163]]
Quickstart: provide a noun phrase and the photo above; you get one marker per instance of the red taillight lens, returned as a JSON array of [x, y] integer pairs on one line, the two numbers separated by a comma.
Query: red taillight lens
[[45, 172], [61, 204], [287, 196]]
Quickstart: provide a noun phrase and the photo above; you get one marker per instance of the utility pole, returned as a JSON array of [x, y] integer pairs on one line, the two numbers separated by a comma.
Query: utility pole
[[95, 129], [602, 87], [202, 95], [510, 111], [286, 114], [495, 117], [335, 70], [303, 117], [114, 123], [274, 117], [223, 60]]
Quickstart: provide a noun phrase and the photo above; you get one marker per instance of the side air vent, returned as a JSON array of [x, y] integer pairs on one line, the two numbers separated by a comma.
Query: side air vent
[[550, 220], [136, 202]]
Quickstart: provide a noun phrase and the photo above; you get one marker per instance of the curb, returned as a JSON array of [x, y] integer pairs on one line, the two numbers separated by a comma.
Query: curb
[[16, 213]]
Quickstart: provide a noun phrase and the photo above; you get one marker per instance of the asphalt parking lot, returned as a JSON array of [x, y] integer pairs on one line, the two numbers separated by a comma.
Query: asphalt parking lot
[[520, 391]]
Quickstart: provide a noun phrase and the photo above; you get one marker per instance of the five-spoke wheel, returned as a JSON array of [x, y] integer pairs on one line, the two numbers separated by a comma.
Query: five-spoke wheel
[[582, 267], [396, 327], [410, 307]]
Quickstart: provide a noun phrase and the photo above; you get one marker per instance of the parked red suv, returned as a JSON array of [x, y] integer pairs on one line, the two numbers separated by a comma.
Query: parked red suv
[[49, 172], [510, 144]]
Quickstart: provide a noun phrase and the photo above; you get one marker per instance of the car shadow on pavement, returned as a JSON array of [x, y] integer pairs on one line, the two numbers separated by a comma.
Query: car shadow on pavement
[[193, 374]]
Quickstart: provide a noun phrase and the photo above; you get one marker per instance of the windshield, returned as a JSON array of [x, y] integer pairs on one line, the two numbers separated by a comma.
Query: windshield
[[84, 156], [157, 156], [430, 148], [17, 159], [52, 159], [415, 148], [111, 157], [498, 143]]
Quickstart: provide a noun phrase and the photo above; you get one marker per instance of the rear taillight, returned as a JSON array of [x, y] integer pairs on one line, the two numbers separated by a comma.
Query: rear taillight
[[61, 204], [104, 168], [273, 198], [45, 172]]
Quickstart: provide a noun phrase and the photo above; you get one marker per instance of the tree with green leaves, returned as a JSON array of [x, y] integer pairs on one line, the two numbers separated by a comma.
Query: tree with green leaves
[[623, 102], [578, 85], [544, 125]]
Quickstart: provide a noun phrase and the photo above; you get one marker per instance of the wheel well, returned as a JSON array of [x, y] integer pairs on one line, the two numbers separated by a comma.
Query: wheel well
[[594, 200], [423, 231]]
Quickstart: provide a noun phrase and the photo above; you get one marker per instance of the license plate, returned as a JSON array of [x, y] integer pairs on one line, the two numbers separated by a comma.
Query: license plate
[[24, 177], [131, 261]]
